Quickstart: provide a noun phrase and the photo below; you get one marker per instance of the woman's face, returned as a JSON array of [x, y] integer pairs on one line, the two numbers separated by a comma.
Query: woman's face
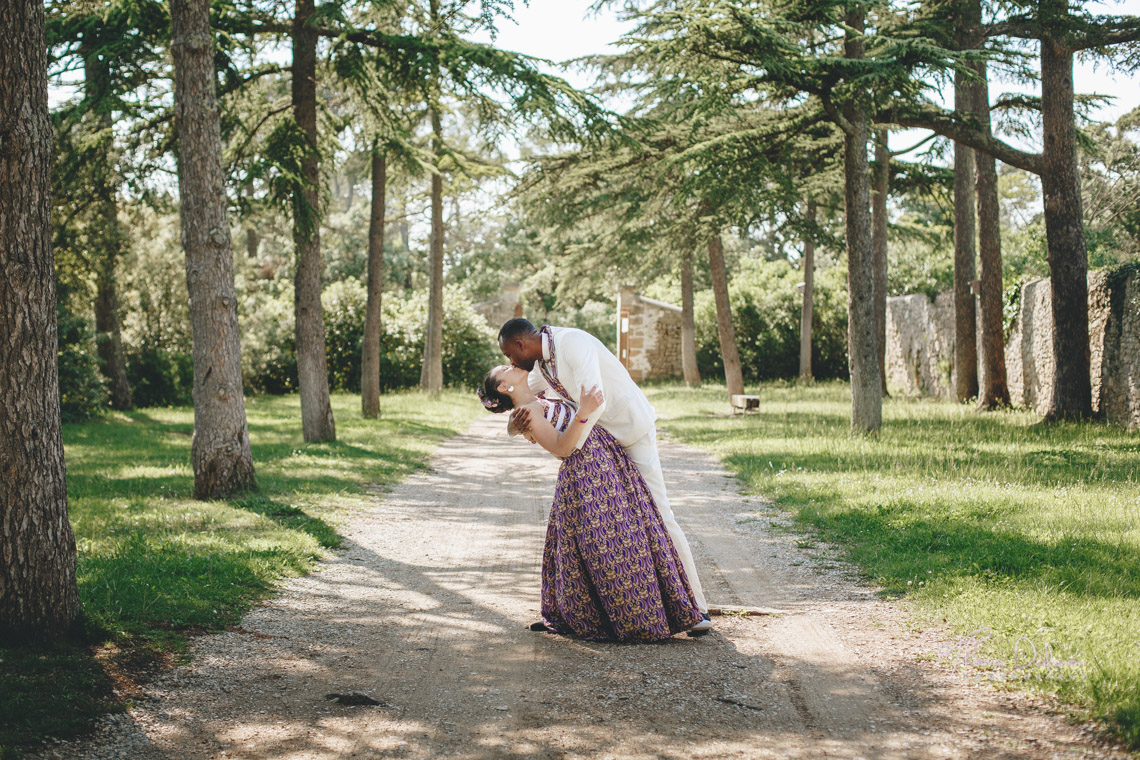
[[507, 375]]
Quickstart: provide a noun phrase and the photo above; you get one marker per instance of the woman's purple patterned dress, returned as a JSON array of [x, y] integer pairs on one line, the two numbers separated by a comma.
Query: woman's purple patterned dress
[[609, 570]]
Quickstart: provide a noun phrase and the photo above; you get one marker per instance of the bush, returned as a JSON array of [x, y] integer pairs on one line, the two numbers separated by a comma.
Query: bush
[[160, 377], [344, 304], [82, 392], [766, 315], [268, 340], [269, 353], [469, 344]]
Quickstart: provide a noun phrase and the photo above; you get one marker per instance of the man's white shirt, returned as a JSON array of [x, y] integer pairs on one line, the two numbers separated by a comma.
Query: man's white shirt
[[583, 360]]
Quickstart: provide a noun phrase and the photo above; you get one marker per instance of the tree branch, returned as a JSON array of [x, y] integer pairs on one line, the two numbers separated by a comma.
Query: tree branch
[[949, 125]]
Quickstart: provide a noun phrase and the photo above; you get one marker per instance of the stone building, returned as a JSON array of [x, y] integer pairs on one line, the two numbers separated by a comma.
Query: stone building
[[648, 337]]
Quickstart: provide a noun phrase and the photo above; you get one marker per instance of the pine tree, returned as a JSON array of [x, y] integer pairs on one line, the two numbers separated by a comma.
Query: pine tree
[[38, 592], [1061, 30]]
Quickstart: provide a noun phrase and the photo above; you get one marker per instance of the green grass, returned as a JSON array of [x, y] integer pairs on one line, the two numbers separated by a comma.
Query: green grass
[[156, 566], [1024, 537]]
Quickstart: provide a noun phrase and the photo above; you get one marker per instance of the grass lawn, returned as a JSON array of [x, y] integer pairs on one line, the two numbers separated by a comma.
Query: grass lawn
[[155, 565], [1024, 536]]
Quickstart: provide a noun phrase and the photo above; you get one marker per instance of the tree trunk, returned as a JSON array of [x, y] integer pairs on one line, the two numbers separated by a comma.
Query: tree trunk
[[1064, 230], [106, 238], [733, 375], [38, 595], [688, 329], [808, 299], [370, 358], [965, 324], [881, 182], [252, 243], [312, 364], [220, 452], [431, 374], [862, 349], [992, 389]]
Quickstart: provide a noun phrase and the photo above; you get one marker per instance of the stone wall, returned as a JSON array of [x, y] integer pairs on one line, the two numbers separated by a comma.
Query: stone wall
[[920, 347], [507, 305], [649, 337], [1119, 390]]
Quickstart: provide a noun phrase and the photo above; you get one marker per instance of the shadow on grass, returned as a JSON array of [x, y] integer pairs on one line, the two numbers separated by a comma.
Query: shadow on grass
[[293, 518], [894, 545], [1029, 455]]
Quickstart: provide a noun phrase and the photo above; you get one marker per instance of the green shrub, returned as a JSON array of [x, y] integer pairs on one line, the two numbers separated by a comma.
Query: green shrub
[[160, 377], [269, 354], [766, 315], [469, 345], [82, 392], [344, 303], [268, 340]]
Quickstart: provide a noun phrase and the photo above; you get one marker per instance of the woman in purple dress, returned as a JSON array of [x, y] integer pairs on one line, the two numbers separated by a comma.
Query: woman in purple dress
[[609, 569]]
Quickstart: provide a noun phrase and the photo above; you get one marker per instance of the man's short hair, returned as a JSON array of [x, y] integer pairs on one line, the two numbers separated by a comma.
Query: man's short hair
[[516, 328]]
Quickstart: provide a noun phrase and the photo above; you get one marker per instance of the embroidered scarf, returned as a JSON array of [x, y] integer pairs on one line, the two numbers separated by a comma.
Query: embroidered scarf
[[549, 367]]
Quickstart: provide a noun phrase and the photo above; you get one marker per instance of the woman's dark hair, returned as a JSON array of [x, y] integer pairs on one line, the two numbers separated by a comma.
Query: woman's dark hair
[[489, 394]]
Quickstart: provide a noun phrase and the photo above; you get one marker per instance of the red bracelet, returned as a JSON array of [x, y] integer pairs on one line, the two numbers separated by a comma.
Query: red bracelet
[[583, 421]]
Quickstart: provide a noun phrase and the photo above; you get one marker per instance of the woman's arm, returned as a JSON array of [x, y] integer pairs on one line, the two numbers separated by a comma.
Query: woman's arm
[[563, 444]]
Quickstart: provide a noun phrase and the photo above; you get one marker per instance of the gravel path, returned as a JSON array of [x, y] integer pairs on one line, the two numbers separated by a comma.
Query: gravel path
[[426, 608]]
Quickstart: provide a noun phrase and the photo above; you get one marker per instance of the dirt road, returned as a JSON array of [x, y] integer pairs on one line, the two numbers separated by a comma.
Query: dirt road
[[426, 611]]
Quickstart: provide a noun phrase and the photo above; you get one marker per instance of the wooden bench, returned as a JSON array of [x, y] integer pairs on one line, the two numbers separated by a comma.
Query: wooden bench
[[743, 403]]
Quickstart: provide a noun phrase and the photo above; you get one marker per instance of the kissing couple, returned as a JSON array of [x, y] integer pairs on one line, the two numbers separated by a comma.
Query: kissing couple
[[616, 565]]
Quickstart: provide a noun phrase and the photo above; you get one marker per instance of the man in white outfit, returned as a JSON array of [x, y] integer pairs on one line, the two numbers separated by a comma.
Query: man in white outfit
[[562, 361]]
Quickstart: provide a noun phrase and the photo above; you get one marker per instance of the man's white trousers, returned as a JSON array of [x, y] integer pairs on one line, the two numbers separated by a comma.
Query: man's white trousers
[[643, 453]]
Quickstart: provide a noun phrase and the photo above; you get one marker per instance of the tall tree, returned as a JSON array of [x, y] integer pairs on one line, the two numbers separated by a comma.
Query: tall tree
[[689, 369], [1061, 30], [107, 237], [220, 452], [38, 592], [806, 307], [881, 182], [733, 373], [862, 346], [965, 254], [431, 371], [993, 390], [370, 358], [312, 363]]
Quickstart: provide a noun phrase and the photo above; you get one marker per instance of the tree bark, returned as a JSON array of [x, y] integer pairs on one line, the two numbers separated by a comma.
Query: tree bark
[[733, 374], [688, 328], [38, 594], [220, 453], [312, 363], [431, 373], [808, 301], [1064, 230], [370, 358], [106, 238], [881, 186], [862, 349], [993, 391], [965, 319]]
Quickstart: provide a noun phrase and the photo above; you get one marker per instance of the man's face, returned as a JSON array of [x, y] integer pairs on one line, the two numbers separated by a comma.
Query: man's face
[[517, 354]]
